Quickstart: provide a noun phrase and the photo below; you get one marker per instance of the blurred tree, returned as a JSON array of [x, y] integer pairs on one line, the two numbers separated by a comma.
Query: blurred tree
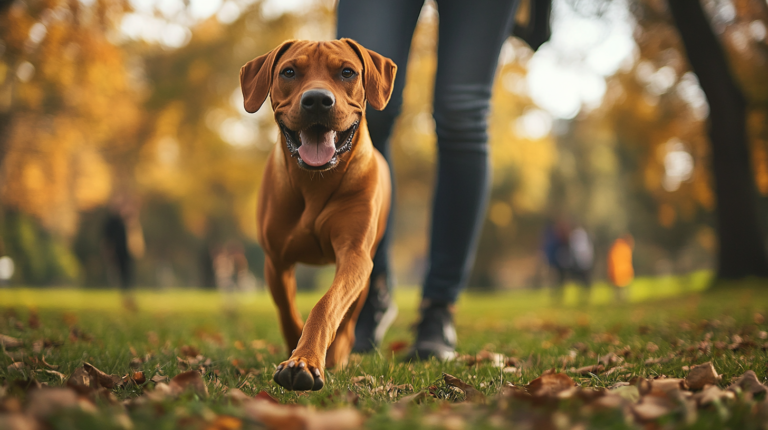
[[741, 249]]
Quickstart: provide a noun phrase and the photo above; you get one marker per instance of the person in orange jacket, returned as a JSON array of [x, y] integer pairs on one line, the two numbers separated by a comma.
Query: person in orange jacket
[[620, 269]]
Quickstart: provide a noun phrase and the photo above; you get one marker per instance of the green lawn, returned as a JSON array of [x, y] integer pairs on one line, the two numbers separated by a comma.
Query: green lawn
[[666, 318]]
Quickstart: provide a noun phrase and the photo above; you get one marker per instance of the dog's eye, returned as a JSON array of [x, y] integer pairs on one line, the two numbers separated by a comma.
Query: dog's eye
[[288, 72], [347, 73]]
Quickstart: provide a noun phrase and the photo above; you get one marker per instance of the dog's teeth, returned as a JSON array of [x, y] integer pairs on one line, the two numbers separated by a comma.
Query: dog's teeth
[[291, 363]]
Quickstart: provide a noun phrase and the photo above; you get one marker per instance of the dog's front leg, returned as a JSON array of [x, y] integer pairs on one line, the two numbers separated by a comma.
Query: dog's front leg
[[304, 370], [282, 286]]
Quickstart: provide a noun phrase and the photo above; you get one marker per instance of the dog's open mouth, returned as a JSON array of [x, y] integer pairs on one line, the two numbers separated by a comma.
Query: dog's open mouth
[[318, 147]]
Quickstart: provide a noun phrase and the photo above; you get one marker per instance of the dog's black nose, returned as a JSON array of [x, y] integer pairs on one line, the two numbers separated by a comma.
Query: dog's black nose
[[317, 101]]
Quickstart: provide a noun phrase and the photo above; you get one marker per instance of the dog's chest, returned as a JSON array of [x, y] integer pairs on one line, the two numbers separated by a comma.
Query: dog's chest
[[299, 241]]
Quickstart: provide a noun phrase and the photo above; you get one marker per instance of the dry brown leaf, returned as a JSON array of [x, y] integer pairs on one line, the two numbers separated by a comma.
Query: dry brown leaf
[[413, 398], [471, 392], [50, 366], [237, 396], [18, 366], [9, 342], [159, 378], [44, 402], [189, 381], [748, 383], [189, 351], [282, 417], [587, 370], [660, 387], [161, 392], [53, 373], [701, 375], [16, 421], [80, 381], [493, 358], [263, 395], [652, 408], [397, 346], [660, 360], [549, 384], [359, 380], [609, 358], [135, 378], [100, 378], [711, 394], [225, 422]]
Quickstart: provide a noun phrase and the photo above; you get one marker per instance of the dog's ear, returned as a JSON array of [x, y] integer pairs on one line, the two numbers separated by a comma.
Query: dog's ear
[[256, 77], [378, 75]]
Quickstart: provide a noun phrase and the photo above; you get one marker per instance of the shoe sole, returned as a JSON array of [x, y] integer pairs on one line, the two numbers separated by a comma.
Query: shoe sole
[[386, 321]]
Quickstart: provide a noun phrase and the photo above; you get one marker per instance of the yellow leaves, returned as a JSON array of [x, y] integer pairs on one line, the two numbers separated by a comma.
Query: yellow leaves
[[500, 213]]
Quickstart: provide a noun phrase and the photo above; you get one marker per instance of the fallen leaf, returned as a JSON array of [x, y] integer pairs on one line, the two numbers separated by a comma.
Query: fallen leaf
[[102, 379], [159, 378], [76, 334], [652, 408], [135, 378], [359, 380], [748, 383], [470, 392], [415, 398], [9, 342], [189, 351], [80, 381], [711, 394], [397, 346], [283, 417], [18, 366], [263, 395], [225, 422], [660, 387], [16, 421], [549, 384], [237, 396], [53, 373], [161, 392], [189, 381], [34, 320], [493, 358], [701, 375], [50, 366], [660, 360], [587, 370], [45, 402]]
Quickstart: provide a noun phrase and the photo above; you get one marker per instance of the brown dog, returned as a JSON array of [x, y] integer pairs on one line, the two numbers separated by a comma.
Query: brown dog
[[325, 194]]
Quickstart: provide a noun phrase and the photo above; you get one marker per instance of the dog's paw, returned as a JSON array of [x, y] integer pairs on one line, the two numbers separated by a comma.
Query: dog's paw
[[295, 374]]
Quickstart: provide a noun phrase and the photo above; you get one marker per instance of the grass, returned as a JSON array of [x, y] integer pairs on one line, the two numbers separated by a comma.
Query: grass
[[240, 336]]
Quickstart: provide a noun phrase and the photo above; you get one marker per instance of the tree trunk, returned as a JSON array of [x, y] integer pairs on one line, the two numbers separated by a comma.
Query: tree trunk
[[741, 249]]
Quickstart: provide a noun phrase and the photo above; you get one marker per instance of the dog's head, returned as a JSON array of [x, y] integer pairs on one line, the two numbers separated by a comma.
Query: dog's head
[[318, 92]]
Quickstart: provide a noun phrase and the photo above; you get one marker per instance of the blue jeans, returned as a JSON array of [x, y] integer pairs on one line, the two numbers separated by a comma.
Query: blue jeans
[[470, 38]]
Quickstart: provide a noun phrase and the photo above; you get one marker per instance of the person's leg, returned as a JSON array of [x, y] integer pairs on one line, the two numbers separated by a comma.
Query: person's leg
[[470, 38], [471, 35], [387, 28]]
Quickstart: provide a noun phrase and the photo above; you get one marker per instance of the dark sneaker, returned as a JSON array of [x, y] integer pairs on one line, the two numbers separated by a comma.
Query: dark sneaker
[[378, 313], [435, 334]]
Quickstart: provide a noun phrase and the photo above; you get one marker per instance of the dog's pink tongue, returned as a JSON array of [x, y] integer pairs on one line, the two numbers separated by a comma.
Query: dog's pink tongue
[[317, 148]]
